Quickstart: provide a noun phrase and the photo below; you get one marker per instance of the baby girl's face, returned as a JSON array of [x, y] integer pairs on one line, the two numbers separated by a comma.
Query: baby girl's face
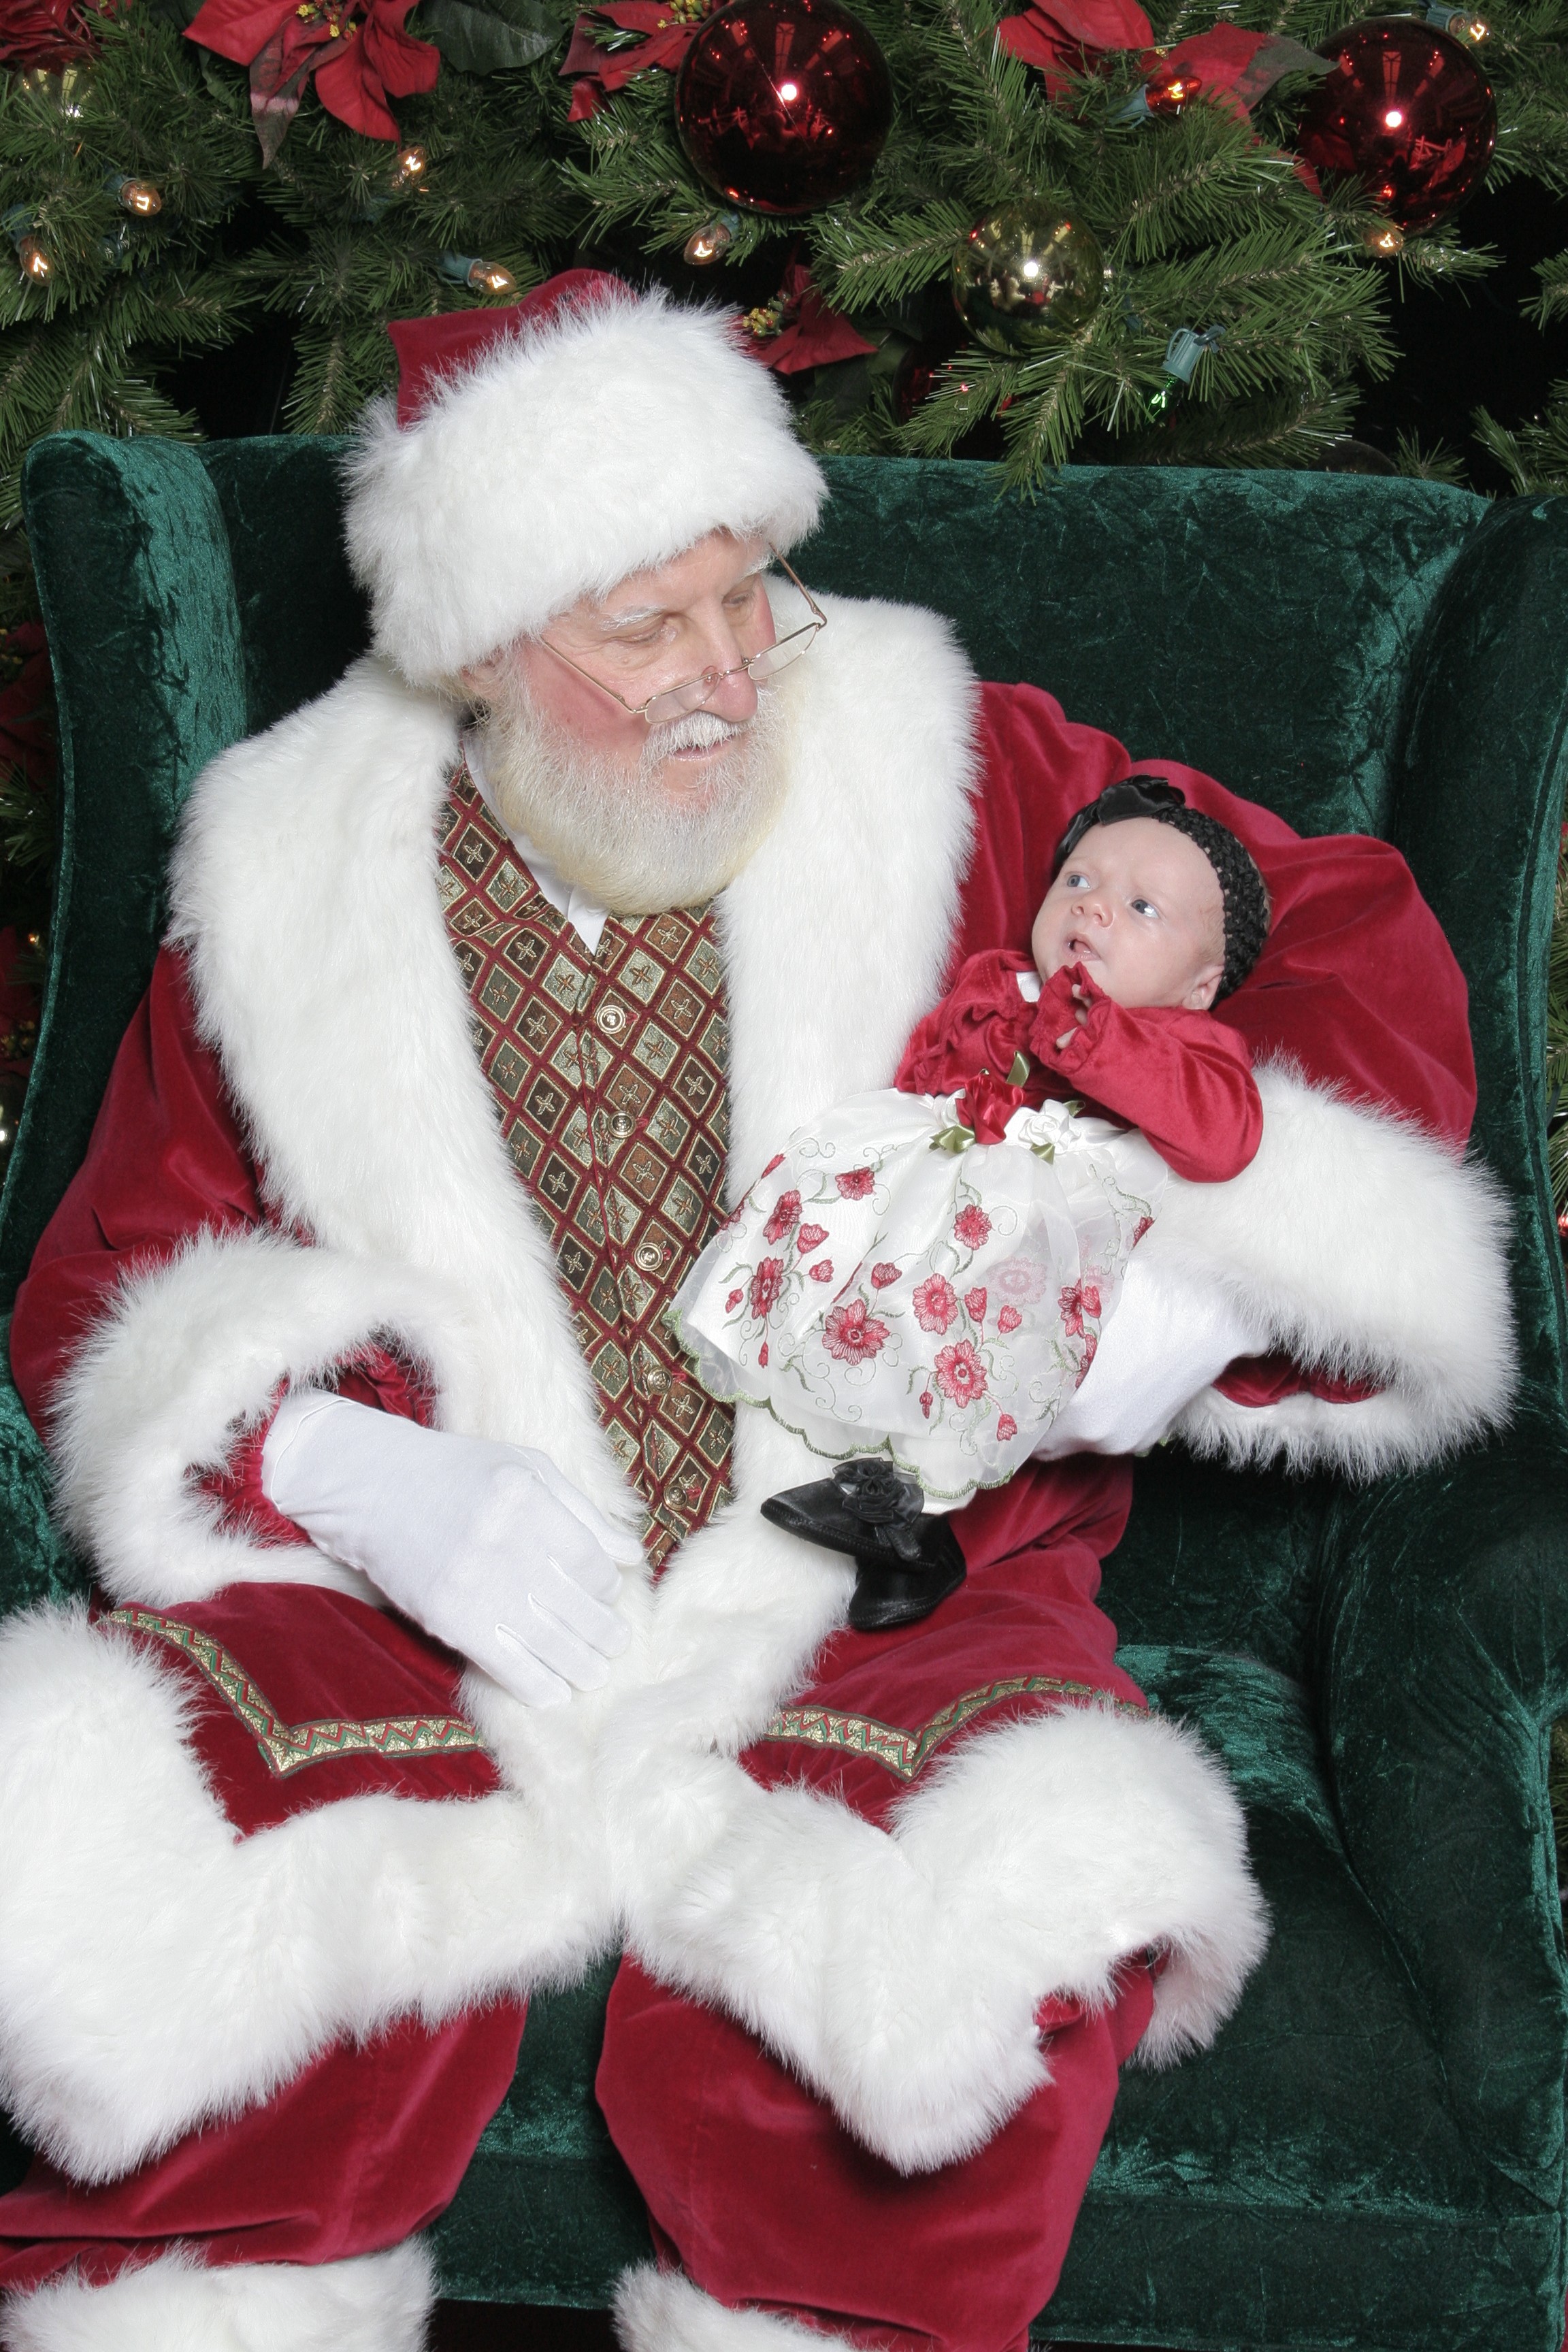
[[1138, 906]]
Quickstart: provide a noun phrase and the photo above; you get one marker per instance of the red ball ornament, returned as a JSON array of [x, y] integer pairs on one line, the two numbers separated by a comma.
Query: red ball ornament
[[784, 105], [1407, 111]]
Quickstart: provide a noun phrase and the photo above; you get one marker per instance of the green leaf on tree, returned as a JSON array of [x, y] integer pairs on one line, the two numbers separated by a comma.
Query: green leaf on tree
[[485, 36]]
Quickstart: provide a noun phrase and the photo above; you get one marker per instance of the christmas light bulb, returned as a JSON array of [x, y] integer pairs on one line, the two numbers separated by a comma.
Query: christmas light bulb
[[710, 243], [1387, 241], [491, 278], [138, 196], [34, 260], [409, 166]]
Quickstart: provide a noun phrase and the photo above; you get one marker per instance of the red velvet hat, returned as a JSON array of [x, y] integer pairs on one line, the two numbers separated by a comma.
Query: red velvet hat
[[546, 452]]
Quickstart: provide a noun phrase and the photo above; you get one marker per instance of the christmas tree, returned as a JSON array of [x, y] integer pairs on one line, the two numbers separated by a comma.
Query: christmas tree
[[1080, 232]]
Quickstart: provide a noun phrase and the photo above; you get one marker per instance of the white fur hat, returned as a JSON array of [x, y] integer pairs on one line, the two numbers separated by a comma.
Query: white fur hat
[[546, 452]]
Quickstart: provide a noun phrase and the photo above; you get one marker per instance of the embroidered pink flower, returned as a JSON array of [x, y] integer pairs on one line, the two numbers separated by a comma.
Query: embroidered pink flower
[[1023, 1278], [936, 1303], [786, 1213], [1073, 1305], [960, 1374], [975, 1300], [1006, 1428], [971, 1227], [822, 1271], [852, 1332], [1091, 1344], [881, 1276], [733, 1301], [762, 1356], [855, 1183], [1008, 1320], [766, 1283], [776, 1161], [810, 1237], [927, 1401], [1141, 1229]]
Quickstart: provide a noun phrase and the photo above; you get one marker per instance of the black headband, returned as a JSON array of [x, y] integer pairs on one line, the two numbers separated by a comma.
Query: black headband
[[1246, 913]]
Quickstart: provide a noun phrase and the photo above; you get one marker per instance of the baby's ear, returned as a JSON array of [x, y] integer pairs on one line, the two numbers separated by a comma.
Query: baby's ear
[[1200, 997]]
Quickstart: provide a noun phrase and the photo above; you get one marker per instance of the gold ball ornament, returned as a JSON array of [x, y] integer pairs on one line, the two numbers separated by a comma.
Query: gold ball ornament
[[1027, 274]]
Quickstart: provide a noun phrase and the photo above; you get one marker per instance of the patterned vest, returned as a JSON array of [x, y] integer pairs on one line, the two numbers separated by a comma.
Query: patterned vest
[[608, 1072]]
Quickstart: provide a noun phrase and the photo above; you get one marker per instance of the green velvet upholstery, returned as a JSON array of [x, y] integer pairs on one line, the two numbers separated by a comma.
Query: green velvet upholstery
[[1372, 2154]]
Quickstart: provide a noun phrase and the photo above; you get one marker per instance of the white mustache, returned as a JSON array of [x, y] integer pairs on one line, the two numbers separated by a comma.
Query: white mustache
[[698, 732]]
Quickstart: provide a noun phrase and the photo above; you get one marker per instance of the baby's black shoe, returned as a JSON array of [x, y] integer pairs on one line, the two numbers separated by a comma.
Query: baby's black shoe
[[908, 1557]]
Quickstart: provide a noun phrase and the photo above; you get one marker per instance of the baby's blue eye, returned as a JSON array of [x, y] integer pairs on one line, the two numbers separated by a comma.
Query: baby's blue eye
[[1145, 906]]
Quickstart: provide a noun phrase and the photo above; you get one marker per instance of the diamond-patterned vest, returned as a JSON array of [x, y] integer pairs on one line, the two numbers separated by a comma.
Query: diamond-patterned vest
[[608, 1072]]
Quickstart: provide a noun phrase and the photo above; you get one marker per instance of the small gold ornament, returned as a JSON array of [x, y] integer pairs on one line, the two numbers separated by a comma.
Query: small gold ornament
[[409, 167], [710, 243], [1388, 239], [1027, 273], [137, 197]]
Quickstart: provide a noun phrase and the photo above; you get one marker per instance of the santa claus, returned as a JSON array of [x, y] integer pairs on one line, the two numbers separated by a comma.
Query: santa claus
[[439, 1640]]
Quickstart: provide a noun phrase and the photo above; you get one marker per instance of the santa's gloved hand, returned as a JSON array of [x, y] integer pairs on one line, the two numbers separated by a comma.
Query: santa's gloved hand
[[1167, 1341], [486, 1546]]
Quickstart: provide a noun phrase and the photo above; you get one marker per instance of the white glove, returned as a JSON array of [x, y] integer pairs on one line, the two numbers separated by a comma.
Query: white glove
[[1167, 1341], [486, 1546]]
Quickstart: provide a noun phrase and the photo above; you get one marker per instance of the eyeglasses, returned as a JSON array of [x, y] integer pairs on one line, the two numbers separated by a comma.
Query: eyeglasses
[[677, 701]]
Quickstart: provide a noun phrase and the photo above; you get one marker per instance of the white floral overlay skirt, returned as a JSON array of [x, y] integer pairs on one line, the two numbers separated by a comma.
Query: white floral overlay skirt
[[879, 1291]]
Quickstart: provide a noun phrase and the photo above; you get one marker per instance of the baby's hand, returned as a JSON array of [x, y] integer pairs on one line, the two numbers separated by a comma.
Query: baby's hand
[[1080, 1014]]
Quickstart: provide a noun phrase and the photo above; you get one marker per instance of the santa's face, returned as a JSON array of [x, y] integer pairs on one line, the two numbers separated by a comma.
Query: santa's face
[[705, 613], [645, 812], [1138, 906]]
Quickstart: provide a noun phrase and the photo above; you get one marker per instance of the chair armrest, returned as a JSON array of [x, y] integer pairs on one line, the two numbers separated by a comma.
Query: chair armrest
[[1443, 1662], [36, 1561]]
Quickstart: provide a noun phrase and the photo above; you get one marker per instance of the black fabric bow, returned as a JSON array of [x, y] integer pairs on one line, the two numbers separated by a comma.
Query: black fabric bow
[[1134, 796]]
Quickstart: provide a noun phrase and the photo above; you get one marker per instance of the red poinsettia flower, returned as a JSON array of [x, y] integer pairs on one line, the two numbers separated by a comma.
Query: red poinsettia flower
[[786, 1215], [971, 1227], [855, 1183], [852, 1333], [661, 30], [49, 33], [796, 329], [960, 1374], [766, 1283], [357, 50], [1065, 36], [1228, 66], [810, 1237], [936, 1303]]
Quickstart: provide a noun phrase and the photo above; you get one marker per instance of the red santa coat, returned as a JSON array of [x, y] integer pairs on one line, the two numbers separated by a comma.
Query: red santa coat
[[167, 1305]]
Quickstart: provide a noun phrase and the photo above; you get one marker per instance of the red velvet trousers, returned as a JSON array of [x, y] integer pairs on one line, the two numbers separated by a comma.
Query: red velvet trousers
[[753, 2186]]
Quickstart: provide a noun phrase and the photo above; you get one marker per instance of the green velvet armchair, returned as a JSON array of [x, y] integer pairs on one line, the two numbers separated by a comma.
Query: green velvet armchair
[[1372, 2154]]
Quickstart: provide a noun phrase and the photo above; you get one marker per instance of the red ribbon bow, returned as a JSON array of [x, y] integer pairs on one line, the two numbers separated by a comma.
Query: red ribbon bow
[[357, 50], [986, 1104]]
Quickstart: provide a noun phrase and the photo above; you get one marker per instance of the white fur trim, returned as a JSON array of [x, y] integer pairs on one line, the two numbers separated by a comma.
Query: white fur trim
[[1359, 1246], [156, 1970], [662, 2311], [557, 462], [375, 2303], [900, 1972]]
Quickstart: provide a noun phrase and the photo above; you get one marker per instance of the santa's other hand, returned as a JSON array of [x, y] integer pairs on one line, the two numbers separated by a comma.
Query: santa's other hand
[[485, 1545]]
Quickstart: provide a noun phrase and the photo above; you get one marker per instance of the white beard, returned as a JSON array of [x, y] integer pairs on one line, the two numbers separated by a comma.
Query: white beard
[[625, 837]]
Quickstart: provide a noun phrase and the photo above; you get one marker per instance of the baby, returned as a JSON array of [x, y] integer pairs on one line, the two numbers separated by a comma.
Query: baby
[[920, 1279]]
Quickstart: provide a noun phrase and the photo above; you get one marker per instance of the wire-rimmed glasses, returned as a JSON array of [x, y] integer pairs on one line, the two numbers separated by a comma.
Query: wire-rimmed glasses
[[677, 701]]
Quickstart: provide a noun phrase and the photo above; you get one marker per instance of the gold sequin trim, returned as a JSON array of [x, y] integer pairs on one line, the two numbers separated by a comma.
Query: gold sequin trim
[[290, 1746], [907, 1753]]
